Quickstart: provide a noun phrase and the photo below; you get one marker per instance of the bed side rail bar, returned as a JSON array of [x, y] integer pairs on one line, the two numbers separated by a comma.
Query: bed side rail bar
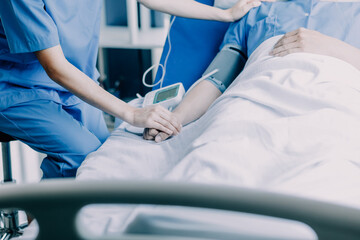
[[55, 204]]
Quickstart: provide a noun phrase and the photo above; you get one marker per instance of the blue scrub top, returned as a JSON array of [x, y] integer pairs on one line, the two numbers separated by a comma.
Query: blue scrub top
[[340, 20], [27, 26]]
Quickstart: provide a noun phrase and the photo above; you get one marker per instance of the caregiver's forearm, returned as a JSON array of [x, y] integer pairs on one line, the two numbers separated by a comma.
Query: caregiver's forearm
[[71, 78], [196, 102], [67, 75], [189, 9]]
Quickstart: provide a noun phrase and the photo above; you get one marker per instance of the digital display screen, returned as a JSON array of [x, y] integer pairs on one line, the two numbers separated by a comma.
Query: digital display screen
[[166, 94]]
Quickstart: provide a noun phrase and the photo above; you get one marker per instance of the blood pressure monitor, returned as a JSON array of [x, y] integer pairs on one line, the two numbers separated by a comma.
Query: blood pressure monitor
[[168, 97]]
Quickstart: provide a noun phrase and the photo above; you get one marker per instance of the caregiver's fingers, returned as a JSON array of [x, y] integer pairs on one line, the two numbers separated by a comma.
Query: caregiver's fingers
[[249, 5], [242, 7], [170, 118], [161, 127], [167, 124], [156, 117], [161, 137]]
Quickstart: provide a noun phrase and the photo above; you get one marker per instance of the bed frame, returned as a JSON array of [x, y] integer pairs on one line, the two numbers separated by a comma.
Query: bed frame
[[55, 204]]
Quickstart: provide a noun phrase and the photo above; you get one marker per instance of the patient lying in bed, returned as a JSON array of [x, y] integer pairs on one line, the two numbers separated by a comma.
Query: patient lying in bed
[[326, 38], [288, 122]]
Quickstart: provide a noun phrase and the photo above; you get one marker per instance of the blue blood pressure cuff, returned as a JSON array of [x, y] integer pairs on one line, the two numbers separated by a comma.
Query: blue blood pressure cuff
[[229, 62]]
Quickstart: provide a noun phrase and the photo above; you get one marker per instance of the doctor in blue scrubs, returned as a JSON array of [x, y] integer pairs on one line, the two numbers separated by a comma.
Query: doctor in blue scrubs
[[50, 98]]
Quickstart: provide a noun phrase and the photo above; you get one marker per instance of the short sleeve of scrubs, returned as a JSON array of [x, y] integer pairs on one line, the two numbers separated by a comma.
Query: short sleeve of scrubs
[[235, 35], [28, 27]]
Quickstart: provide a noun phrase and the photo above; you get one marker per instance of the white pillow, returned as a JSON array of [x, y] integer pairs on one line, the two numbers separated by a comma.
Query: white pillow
[[225, 4]]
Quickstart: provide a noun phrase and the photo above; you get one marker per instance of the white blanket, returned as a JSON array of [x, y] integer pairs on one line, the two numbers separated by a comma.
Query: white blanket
[[289, 124]]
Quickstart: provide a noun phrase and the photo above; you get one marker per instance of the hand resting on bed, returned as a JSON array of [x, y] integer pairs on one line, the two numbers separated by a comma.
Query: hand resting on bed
[[310, 41]]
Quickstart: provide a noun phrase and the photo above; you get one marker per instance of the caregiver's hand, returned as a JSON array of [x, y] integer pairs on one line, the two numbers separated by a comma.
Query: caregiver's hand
[[305, 40], [242, 7], [156, 117], [153, 134]]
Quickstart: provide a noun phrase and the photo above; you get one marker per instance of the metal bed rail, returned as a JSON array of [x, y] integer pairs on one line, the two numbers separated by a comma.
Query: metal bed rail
[[55, 204]]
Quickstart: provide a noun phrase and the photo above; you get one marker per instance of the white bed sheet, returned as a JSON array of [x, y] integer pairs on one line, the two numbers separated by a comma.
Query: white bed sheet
[[289, 125]]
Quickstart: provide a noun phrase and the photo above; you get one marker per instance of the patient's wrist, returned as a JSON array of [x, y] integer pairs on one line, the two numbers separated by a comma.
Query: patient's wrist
[[180, 116]]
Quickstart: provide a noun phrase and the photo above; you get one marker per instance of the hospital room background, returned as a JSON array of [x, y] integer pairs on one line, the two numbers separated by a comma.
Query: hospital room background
[[131, 41], [131, 46]]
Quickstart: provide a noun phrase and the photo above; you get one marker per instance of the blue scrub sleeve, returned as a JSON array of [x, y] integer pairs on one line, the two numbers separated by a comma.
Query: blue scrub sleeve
[[236, 35], [28, 27]]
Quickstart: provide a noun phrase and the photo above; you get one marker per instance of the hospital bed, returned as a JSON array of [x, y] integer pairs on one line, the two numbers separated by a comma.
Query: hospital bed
[[317, 186], [55, 205]]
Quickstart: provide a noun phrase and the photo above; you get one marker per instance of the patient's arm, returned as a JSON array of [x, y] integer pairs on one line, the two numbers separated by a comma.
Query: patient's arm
[[194, 105], [196, 102], [305, 40], [227, 64]]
